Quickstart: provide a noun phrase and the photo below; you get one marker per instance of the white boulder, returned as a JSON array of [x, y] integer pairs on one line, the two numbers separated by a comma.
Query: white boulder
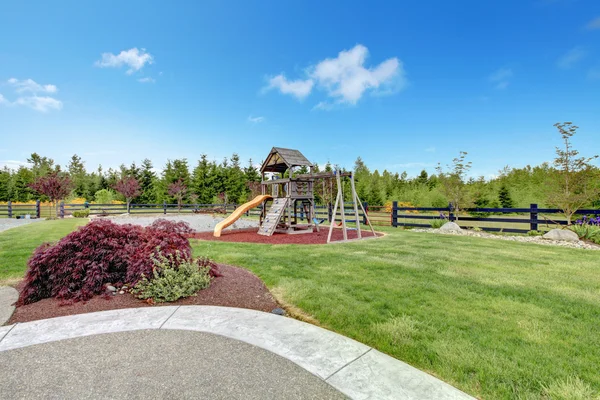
[[561, 234], [451, 227]]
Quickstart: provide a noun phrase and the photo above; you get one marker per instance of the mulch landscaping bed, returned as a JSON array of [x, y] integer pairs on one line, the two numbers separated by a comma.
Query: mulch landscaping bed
[[236, 288], [251, 236]]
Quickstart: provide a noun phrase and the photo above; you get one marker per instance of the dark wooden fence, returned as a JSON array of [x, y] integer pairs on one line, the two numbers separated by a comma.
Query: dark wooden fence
[[531, 219], [510, 220], [10, 210]]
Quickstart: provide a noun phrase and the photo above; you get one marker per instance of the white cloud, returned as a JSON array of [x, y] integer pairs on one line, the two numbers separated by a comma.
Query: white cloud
[[345, 78], [571, 57], [324, 106], [134, 58], [146, 80], [40, 103], [29, 85], [501, 78], [594, 73], [256, 120], [12, 164], [298, 88], [593, 24], [430, 150]]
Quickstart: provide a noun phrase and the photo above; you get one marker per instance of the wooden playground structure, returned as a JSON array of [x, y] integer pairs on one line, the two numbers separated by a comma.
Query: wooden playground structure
[[285, 192]]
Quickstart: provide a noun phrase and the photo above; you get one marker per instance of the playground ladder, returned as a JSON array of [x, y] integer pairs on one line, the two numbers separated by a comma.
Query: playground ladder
[[273, 217]]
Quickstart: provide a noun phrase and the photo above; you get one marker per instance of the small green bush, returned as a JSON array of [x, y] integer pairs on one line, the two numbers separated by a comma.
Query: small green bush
[[535, 233], [104, 196], [437, 223], [81, 213], [173, 278], [588, 232]]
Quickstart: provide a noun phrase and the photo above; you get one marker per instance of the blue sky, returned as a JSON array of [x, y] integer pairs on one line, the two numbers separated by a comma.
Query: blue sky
[[402, 85]]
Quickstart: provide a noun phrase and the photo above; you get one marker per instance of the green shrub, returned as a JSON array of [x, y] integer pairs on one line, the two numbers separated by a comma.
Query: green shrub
[[588, 232], [81, 213], [173, 278], [437, 223], [104, 196], [535, 233]]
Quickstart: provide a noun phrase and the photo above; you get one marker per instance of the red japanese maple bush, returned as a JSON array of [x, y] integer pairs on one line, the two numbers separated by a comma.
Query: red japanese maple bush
[[83, 262]]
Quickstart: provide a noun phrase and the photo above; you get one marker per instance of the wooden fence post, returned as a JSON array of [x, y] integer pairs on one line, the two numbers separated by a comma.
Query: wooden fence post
[[395, 214], [330, 212], [9, 206], [366, 207], [165, 207], [38, 212], [62, 209], [450, 213], [533, 216]]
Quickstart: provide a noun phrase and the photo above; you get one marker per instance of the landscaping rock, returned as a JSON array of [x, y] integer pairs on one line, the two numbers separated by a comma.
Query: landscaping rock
[[450, 227], [278, 311], [111, 288], [561, 234], [122, 292], [578, 244]]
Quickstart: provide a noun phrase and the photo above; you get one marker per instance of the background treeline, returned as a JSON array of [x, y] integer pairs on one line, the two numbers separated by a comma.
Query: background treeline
[[213, 182]]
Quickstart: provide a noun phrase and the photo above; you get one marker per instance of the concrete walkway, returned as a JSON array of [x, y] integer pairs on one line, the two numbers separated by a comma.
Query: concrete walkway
[[352, 368], [8, 297]]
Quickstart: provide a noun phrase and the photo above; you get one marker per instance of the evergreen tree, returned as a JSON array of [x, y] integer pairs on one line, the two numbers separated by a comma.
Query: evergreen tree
[[79, 177], [504, 197], [147, 181], [235, 185], [41, 166], [21, 186], [201, 183], [5, 177]]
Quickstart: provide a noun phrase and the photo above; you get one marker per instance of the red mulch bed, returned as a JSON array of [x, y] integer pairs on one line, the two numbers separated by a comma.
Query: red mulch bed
[[251, 236], [236, 288]]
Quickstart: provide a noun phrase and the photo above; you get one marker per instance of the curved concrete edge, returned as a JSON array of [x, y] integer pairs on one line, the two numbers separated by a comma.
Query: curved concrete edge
[[8, 297], [353, 368]]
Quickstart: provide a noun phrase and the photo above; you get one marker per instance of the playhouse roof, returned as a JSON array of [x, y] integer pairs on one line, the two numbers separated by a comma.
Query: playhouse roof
[[280, 159]]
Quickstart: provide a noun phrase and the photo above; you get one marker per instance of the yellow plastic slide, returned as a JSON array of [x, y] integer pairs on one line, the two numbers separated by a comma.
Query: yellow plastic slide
[[238, 213]]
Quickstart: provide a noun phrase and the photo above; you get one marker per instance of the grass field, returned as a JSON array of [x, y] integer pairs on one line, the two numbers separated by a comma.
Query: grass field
[[496, 319], [499, 320], [17, 244]]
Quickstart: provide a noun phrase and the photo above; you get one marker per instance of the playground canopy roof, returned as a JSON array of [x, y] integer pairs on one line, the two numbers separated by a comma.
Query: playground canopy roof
[[280, 159]]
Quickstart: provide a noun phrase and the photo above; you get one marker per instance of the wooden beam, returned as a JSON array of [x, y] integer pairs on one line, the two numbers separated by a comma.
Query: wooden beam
[[354, 201]]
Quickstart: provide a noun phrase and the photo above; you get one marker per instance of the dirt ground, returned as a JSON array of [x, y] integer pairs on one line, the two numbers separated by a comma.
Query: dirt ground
[[251, 236], [236, 288]]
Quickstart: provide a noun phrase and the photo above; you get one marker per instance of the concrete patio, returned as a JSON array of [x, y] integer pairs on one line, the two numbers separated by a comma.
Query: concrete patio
[[271, 345]]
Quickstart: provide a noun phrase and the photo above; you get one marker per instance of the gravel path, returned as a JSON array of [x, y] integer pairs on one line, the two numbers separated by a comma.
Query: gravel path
[[7, 223], [514, 238], [198, 222]]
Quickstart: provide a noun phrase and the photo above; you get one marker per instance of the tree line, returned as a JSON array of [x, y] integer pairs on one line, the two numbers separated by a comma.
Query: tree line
[[209, 182]]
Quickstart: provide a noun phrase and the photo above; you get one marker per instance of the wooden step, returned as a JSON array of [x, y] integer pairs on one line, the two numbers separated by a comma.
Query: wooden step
[[273, 217]]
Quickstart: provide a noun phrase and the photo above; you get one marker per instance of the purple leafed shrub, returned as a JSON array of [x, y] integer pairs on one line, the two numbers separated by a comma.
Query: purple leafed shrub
[[83, 262]]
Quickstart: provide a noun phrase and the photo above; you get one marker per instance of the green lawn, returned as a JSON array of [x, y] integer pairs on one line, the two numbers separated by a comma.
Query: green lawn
[[497, 319], [17, 244]]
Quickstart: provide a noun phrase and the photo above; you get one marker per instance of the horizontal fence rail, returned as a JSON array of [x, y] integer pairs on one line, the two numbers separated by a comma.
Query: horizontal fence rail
[[510, 220], [532, 218]]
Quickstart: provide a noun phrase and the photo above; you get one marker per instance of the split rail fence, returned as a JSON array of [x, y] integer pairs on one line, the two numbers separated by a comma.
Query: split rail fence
[[509, 220]]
